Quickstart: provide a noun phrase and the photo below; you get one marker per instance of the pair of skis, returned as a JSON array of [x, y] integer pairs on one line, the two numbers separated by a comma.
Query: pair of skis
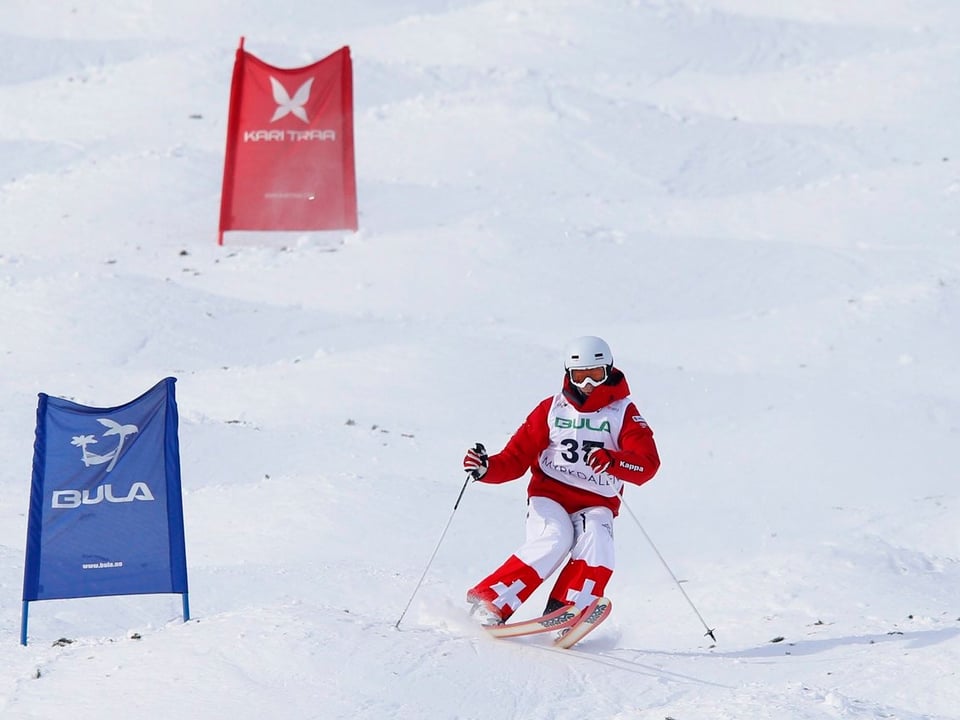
[[571, 626]]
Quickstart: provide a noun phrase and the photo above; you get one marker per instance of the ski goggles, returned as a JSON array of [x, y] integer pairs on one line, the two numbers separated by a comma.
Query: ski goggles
[[581, 377]]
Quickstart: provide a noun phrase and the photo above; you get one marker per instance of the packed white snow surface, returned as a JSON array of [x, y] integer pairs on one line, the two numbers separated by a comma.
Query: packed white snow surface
[[757, 204]]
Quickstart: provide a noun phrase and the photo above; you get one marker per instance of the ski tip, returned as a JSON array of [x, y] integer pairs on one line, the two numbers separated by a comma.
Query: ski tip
[[603, 603], [587, 621]]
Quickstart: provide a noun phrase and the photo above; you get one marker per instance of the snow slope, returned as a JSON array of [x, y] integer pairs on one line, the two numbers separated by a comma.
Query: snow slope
[[757, 204]]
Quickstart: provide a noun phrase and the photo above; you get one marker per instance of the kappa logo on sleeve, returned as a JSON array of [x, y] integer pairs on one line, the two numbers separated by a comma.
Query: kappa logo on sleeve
[[638, 419]]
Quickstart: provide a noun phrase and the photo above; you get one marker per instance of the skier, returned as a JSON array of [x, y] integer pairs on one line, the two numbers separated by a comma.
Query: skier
[[580, 446]]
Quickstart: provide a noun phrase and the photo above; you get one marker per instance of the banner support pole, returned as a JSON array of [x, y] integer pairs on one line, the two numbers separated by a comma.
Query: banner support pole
[[23, 622], [186, 607]]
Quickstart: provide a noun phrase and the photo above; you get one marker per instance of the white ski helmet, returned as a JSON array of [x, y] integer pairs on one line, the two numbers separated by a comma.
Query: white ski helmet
[[587, 352]]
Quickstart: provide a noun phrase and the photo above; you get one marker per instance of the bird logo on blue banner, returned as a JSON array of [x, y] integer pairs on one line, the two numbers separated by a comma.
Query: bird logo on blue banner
[[114, 428]]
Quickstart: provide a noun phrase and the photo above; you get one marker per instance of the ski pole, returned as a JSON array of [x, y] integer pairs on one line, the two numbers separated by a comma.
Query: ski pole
[[435, 550], [709, 631]]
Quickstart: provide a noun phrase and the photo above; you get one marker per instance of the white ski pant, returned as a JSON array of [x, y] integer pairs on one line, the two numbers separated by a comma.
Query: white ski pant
[[552, 532]]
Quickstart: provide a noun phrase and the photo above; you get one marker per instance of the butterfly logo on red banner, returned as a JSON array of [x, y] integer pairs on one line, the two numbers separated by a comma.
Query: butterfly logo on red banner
[[287, 105]]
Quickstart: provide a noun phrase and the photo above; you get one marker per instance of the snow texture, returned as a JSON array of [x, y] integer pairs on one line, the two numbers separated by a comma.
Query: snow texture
[[756, 203]]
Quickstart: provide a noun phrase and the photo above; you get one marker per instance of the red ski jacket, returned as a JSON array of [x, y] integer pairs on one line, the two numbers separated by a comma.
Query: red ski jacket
[[635, 458]]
